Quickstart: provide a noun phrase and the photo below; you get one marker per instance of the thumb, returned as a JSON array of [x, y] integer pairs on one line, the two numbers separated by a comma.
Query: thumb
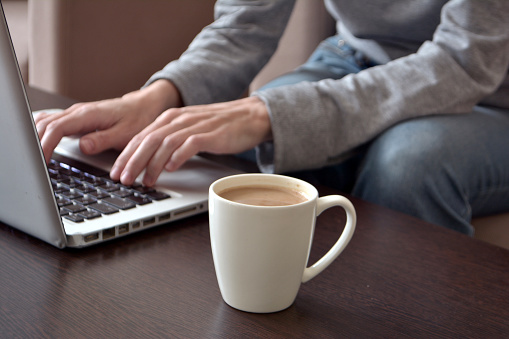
[[96, 142]]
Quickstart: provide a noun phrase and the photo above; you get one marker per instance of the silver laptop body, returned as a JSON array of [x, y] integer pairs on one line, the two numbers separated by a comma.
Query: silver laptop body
[[27, 196]]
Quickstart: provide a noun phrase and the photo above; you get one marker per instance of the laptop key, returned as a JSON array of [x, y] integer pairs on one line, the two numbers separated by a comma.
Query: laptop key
[[63, 170], [86, 199], [103, 208], [123, 192], [99, 194], [89, 214], [143, 189], [84, 188], [62, 201], [69, 182], [139, 199], [92, 181], [74, 217], [119, 203], [157, 195], [72, 194], [53, 164], [74, 208], [150, 192], [109, 186], [56, 176]]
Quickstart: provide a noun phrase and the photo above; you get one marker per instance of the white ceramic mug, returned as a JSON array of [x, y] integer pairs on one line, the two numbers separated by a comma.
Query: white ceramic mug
[[261, 252]]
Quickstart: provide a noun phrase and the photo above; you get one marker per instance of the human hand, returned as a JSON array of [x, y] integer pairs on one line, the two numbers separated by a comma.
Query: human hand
[[106, 124], [180, 133]]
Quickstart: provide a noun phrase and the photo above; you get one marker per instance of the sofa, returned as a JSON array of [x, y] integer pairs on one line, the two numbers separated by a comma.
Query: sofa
[[91, 50]]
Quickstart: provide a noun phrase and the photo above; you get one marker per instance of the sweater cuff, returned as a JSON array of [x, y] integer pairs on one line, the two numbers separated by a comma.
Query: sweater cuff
[[265, 157]]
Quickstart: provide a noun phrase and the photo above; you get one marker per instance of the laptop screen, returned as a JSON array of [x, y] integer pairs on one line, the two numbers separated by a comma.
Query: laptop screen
[[26, 198]]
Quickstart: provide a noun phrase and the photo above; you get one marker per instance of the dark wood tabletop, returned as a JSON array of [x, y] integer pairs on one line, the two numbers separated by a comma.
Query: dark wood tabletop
[[399, 277]]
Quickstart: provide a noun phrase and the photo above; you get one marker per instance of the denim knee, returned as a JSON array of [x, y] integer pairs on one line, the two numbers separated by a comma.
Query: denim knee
[[391, 170], [407, 169]]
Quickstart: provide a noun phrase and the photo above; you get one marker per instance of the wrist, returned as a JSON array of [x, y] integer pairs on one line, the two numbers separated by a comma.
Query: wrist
[[261, 117], [160, 95]]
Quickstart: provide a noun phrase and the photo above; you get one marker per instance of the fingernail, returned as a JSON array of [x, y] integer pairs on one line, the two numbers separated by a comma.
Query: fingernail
[[148, 180], [114, 174], [125, 178], [169, 166]]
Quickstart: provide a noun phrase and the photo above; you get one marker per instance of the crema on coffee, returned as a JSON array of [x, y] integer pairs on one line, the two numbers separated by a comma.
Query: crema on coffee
[[263, 195]]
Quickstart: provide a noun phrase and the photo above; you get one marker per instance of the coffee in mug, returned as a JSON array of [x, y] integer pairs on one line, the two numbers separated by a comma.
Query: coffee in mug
[[261, 229], [263, 195]]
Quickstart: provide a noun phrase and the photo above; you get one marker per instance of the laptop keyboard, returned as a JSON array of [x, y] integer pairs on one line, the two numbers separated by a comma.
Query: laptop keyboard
[[86, 192]]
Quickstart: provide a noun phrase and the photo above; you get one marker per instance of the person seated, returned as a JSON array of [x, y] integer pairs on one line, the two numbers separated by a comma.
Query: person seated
[[407, 106]]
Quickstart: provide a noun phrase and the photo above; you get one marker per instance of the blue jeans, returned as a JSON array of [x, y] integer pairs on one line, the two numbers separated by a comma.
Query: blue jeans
[[444, 169]]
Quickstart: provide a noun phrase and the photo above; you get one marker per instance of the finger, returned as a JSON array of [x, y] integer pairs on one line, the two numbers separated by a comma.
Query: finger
[[39, 116], [150, 153], [64, 125], [191, 146], [135, 142], [43, 119], [163, 121], [180, 146], [101, 140], [195, 138], [161, 157], [120, 163], [135, 158]]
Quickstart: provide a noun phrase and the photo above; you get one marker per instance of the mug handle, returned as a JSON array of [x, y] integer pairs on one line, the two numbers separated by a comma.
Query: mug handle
[[324, 203]]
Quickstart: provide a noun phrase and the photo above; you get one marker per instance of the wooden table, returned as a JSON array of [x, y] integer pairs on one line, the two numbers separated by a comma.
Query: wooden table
[[399, 277]]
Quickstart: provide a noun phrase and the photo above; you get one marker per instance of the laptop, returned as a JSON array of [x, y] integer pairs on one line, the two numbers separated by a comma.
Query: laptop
[[71, 202]]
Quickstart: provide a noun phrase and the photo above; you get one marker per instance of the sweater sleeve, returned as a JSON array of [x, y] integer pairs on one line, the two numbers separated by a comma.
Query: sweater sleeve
[[318, 124], [225, 56]]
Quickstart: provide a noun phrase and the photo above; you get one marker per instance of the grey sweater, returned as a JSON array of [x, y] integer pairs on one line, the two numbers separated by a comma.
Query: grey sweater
[[435, 56]]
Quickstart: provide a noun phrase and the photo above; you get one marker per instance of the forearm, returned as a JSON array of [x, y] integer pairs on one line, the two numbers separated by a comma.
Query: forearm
[[223, 59]]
